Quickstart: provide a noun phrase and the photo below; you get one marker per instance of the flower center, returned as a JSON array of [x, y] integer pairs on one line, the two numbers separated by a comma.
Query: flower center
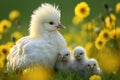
[[4, 27], [111, 20], [4, 51], [82, 10], [114, 36], [100, 43], [105, 35]]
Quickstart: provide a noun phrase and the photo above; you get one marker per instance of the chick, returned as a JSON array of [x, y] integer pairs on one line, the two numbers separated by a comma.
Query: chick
[[80, 59], [63, 61], [92, 67]]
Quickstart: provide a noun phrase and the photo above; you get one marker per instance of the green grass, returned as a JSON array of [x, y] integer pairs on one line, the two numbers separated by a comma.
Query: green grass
[[59, 76]]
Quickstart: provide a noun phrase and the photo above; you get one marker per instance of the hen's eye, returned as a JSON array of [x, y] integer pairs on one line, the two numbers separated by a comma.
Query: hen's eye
[[51, 23]]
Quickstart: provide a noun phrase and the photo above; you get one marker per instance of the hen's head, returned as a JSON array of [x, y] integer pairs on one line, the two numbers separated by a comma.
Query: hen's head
[[45, 19]]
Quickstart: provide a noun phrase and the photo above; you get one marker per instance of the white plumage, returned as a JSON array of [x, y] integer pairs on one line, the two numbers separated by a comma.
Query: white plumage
[[63, 61], [80, 59], [92, 67], [43, 43]]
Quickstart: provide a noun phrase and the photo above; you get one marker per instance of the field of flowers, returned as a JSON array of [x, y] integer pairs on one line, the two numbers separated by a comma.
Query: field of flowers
[[100, 36]]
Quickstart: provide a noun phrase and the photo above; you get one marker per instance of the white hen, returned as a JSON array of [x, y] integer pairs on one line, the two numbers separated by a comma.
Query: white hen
[[43, 43]]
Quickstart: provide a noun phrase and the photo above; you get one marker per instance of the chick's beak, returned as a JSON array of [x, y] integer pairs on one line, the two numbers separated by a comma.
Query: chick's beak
[[77, 56], [60, 26], [91, 67]]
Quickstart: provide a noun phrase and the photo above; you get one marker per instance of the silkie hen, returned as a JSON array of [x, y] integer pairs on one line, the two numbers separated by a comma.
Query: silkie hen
[[43, 43]]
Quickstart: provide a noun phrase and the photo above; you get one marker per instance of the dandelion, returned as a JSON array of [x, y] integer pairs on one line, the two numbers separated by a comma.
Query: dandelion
[[14, 15], [4, 49], [95, 77], [100, 43], [76, 20], [104, 34], [117, 8], [4, 25], [110, 21], [82, 10], [16, 36]]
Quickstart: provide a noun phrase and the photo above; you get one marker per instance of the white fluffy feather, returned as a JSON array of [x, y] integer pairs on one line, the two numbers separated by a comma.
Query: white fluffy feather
[[43, 43]]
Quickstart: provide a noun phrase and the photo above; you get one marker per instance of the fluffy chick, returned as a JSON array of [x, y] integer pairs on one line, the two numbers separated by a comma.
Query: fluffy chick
[[63, 61], [80, 59], [92, 67], [43, 43]]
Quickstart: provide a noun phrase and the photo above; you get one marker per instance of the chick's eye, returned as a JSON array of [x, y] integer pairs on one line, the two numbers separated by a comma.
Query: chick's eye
[[94, 64], [88, 65], [59, 54], [81, 53], [67, 55], [51, 23]]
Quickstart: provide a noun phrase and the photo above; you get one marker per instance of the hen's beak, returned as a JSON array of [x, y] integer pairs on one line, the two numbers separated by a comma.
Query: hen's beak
[[60, 26]]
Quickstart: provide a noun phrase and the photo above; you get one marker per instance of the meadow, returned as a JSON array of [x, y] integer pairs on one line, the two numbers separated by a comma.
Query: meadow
[[97, 29]]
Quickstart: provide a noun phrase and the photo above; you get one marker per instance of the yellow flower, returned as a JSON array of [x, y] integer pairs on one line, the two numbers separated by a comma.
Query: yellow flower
[[14, 15], [90, 26], [104, 34], [88, 48], [76, 20], [95, 77], [4, 25], [115, 33], [2, 56], [4, 49], [117, 8], [1, 64], [100, 43], [108, 61], [16, 36], [82, 10], [110, 21], [37, 73], [10, 44]]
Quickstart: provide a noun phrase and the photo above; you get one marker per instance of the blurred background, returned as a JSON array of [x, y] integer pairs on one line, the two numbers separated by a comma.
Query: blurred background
[[16, 14]]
